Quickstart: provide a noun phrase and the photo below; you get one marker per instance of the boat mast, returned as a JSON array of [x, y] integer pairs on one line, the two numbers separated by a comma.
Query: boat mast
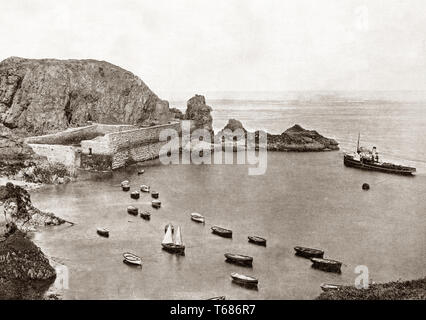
[[357, 145]]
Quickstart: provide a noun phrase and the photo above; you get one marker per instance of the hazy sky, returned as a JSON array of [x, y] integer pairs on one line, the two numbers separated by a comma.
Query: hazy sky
[[231, 45]]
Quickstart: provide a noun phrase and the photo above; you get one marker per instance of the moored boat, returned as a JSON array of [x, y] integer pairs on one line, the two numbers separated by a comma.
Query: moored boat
[[327, 265], [125, 183], [226, 233], [132, 210], [145, 188], [239, 259], [141, 171], [197, 217], [244, 280], [308, 252], [132, 259], [329, 286], [103, 232], [125, 187], [369, 160], [135, 195], [156, 204], [217, 298], [155, 194], [171, 245], [145, 215], [257, 240]]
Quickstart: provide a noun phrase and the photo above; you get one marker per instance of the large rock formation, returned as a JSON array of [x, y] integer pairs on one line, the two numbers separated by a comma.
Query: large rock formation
[[19, 210], [298, 139], [199, 113], [40, 96], [25, 272]]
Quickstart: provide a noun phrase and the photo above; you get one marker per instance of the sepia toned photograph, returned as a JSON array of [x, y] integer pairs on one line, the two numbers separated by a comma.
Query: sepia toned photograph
[[213, 150]]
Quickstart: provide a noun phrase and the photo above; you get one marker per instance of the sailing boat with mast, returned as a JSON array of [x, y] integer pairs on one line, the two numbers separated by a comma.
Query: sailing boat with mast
[[173, 246]]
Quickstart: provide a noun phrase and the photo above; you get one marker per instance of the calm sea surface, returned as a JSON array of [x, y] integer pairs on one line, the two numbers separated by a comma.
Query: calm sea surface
[[307, 199]]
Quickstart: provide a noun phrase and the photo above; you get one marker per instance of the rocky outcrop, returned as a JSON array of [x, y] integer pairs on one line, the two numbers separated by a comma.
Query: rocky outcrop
[[199, 113], [41, 96], [19, 210], [293, 139], [25, 272], [298, 139]]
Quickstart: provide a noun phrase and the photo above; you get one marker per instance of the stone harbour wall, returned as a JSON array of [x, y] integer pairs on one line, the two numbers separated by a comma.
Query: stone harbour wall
[[137, 145], [66, 155]]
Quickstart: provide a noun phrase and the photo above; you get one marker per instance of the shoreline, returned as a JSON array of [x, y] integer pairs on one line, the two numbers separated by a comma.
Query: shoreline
[[391, 290]]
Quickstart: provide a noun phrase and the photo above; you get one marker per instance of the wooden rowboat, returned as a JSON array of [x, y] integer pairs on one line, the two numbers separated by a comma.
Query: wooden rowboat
[[125, 183], [239, 259], [330, 287], [144, 188], [156, 204], [226, 233], [257, 240], [145, 215], [135, 195], [244, 280], [327, 265], [132, 210], [155, 194], [308, 252], [198, 217], [217, 298], [103, 232], [132, 259]]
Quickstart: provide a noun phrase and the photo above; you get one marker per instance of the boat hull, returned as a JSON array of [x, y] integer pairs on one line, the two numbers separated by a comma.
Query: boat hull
[[373, 166], [145, 215], [245, 281], [308, 253], [135, 195], [241, 260], [225, 233], [103, 232], [326, 265], [132, 210], [257, 240], [173, 248]]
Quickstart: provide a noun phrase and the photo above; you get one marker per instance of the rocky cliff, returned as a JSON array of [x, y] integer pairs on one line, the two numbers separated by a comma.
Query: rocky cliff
[[40, 96], [199, 113], [25, 272]]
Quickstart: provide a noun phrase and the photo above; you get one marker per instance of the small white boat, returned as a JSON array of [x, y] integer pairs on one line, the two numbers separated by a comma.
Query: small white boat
[[145, 188], [125, 183], [132, 259], [197, 217], [141, 171], [243, 279], [103, 232], [329, 286]]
